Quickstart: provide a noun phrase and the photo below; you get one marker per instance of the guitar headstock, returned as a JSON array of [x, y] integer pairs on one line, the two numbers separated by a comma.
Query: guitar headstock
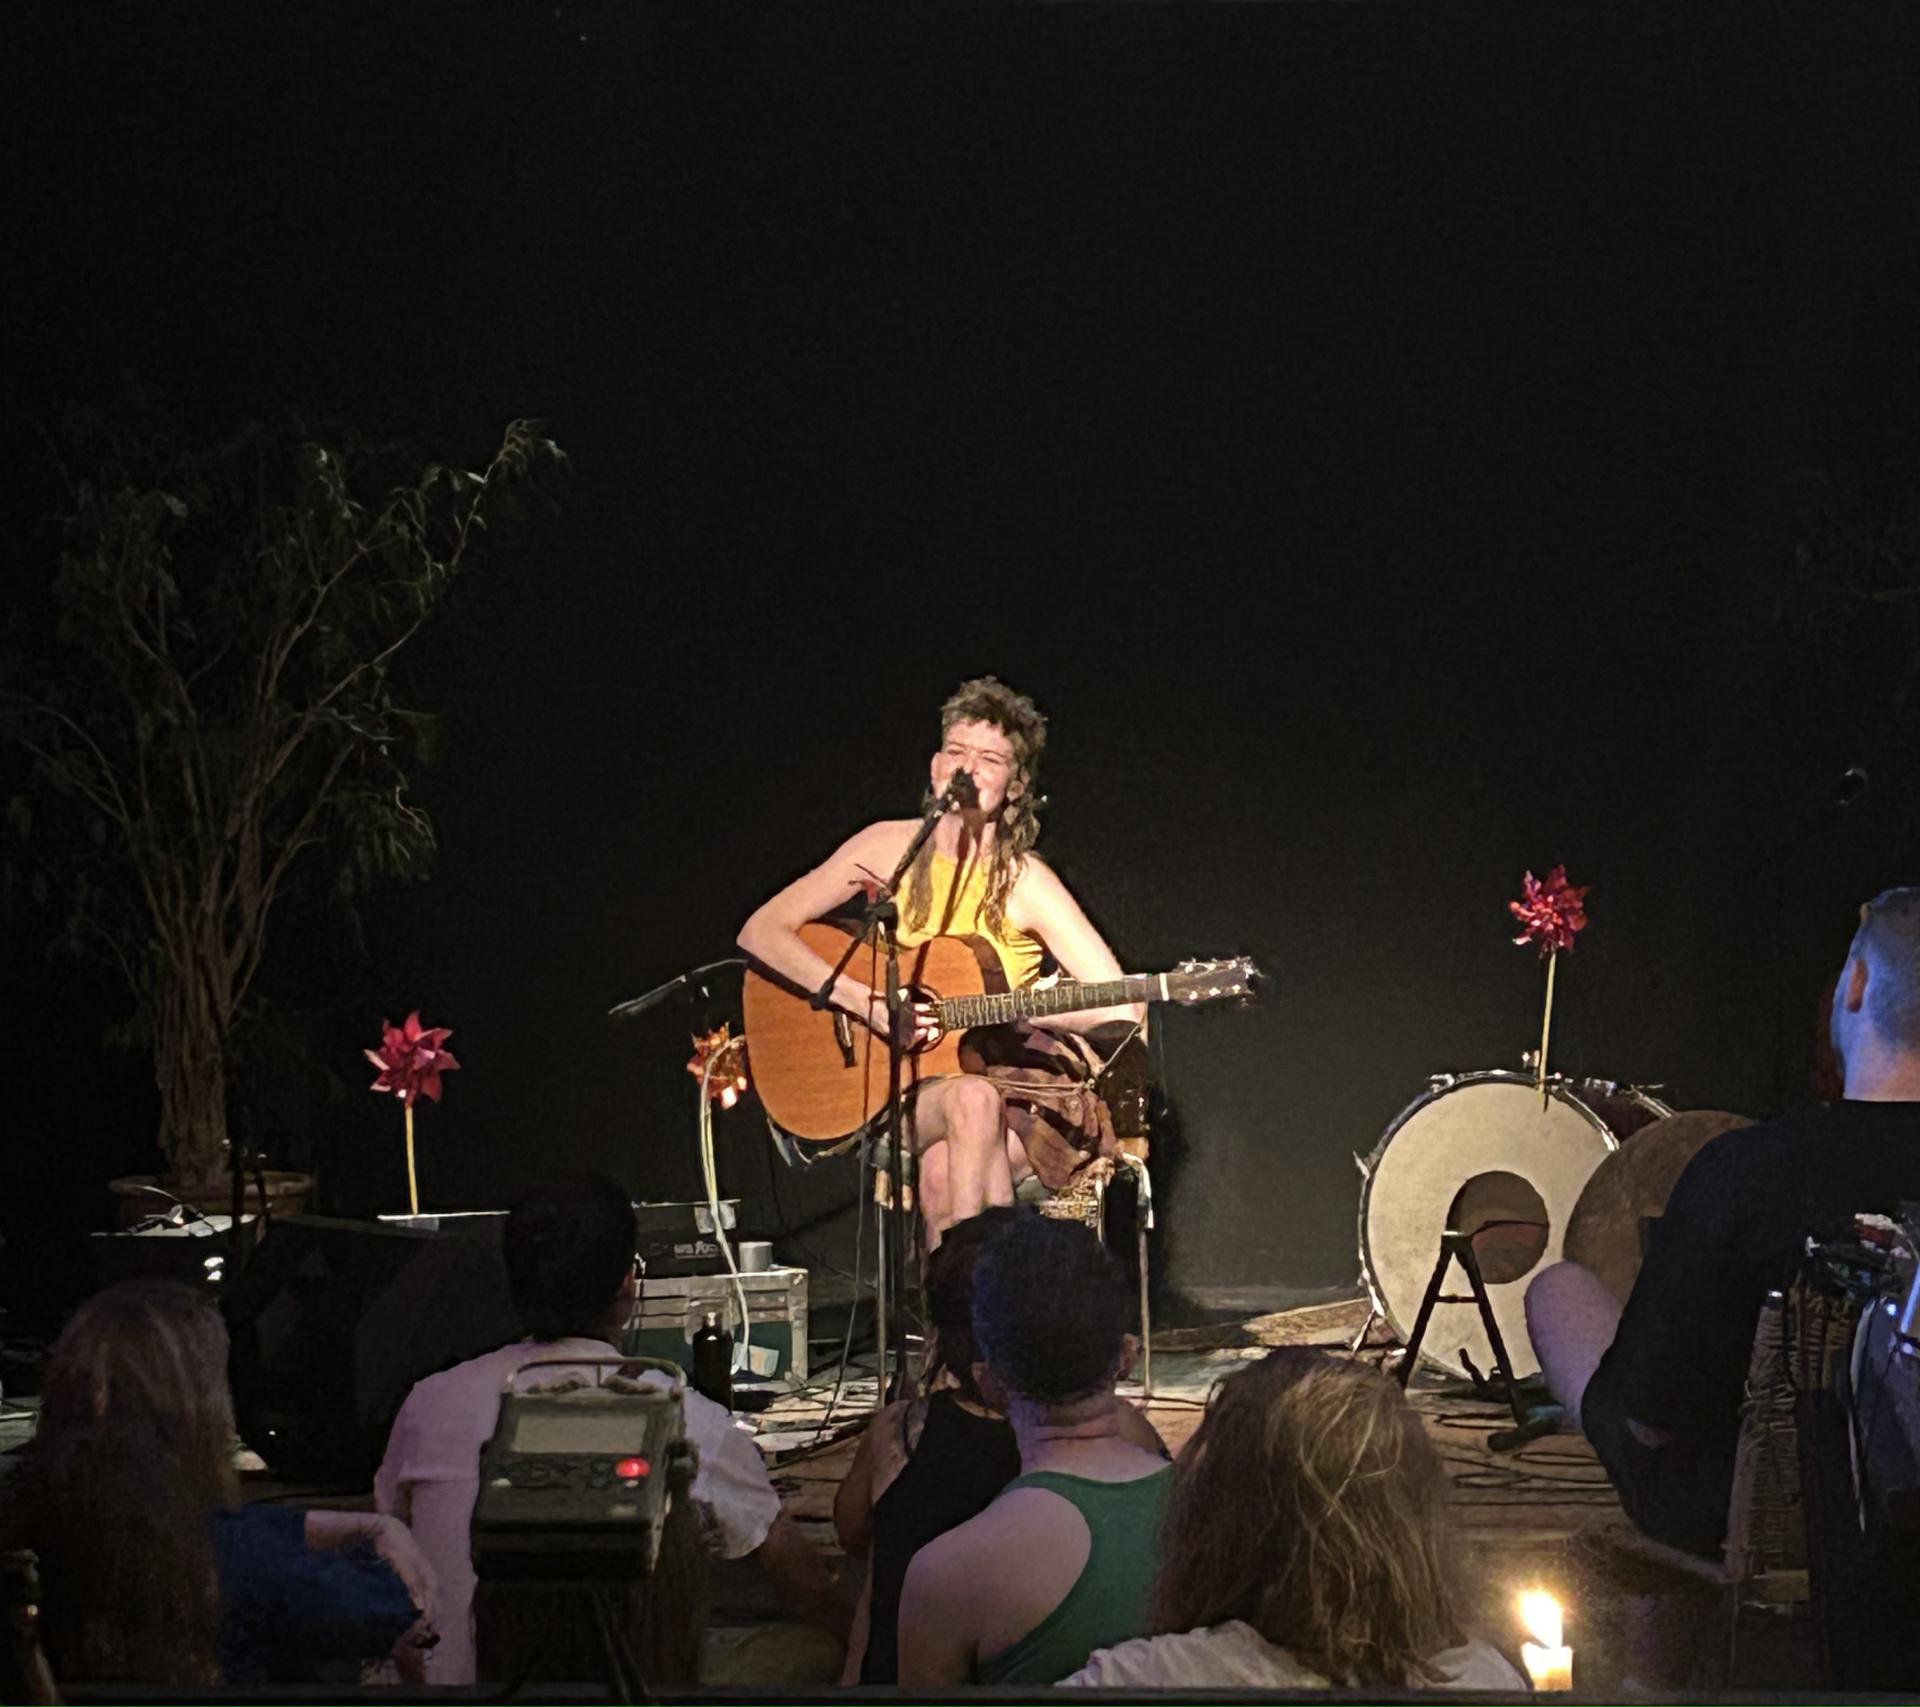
[[1231, 980]]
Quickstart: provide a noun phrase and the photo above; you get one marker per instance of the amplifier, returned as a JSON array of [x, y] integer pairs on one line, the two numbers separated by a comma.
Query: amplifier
[[669, 1238], [676, 1239]]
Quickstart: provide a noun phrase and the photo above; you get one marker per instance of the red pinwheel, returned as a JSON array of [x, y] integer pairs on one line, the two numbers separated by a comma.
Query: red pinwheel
[[1552, 911], [411, 1058]]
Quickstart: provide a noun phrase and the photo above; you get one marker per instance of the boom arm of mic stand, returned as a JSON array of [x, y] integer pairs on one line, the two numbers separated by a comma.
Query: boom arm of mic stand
[[639, 1004], [822, 998]]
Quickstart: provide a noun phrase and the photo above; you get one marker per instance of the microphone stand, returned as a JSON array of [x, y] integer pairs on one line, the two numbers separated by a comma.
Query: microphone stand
[[639, 1004], [883, 914]]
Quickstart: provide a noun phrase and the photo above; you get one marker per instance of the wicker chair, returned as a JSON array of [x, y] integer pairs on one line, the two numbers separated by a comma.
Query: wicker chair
[[1800, 1345]]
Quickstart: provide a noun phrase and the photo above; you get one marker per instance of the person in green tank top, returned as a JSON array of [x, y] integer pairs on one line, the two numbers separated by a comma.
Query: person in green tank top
[[977, 877], [1061, 1562]]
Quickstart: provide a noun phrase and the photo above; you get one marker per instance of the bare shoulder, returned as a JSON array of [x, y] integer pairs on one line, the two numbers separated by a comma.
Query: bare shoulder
[[1036, 882], [878, 846], [884, 833], [1042, 903], [875, 847], [959, 1554]]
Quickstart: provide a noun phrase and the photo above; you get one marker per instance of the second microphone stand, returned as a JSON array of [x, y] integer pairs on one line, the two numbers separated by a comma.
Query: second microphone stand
[[883, 915]]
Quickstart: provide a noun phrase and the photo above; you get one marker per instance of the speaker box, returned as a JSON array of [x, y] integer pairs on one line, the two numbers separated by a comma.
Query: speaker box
[[334, 1321]]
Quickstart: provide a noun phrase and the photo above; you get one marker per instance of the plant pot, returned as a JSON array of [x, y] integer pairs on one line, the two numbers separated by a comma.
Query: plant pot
[[136, 1196]]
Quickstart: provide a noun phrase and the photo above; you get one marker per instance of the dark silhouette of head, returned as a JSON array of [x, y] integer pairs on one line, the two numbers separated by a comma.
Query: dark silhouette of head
[[1050, 1313], [569, 1251], [950, 1295], [1888, 940]]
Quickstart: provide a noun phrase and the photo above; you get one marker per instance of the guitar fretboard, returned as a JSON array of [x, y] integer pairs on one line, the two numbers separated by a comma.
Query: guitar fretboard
[[961, 1013]]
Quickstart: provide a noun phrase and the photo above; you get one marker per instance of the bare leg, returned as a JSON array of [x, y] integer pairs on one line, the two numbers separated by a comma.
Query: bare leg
[[963, 1116], [1017, 1164], [936, 1196], [1571, 1319]]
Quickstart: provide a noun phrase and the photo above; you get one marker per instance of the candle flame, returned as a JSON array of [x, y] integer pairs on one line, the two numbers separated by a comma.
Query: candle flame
[[1540, 1613]]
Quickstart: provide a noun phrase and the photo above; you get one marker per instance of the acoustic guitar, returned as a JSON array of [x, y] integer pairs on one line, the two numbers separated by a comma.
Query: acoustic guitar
[[823, 1074]]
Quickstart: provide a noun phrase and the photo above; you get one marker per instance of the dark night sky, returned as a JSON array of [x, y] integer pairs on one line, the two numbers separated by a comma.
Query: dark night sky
[[1365, 430]]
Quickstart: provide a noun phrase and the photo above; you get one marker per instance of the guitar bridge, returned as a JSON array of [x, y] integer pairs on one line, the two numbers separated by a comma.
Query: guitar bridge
[[843, 1035]]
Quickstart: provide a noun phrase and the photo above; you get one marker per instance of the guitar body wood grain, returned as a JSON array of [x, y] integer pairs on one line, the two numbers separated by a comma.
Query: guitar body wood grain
[[798, 1067]]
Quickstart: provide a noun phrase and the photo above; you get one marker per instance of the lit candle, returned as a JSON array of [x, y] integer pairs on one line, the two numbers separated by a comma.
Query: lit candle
[[1549, 1665]]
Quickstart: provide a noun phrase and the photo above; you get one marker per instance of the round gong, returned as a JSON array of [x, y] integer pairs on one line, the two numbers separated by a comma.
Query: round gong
[[1637, 1180]]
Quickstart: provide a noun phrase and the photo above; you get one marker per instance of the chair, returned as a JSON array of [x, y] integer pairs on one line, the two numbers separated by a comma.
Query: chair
[[1800, 1347], [1085, 1200]]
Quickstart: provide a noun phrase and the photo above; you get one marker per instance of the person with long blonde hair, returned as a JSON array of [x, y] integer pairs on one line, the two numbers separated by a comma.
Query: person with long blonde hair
[[1305, 1544]]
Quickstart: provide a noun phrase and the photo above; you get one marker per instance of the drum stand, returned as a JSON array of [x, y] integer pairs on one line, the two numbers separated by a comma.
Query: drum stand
[[1458, 1247]]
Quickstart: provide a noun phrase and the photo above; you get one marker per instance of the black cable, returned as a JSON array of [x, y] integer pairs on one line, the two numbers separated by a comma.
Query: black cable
[[853, 1308], [625, 1679]]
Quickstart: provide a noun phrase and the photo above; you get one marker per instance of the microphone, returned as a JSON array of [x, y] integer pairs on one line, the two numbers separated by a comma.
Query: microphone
[[960, 792]]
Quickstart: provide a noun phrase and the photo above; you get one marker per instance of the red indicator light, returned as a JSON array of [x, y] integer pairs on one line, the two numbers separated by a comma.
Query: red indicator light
[[631, 1469]]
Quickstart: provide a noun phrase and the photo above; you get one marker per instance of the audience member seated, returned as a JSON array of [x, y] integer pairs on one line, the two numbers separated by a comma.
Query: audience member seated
[[152, 1571], [571, 1272], [925, 1465], [1306, 1545], [1060, 1563], [1657, 1387]]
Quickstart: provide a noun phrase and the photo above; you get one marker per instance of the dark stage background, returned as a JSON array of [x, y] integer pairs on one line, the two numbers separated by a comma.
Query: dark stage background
[[1373, 434]]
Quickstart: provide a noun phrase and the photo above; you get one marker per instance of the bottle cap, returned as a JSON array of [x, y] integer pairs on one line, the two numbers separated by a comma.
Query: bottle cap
[[712, 1319]]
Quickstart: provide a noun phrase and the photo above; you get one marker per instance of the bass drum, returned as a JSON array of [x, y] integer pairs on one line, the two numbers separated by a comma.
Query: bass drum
[[1480, 1153]]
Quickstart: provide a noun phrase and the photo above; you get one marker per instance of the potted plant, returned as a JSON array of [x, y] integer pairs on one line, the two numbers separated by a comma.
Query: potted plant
[[215, 701]]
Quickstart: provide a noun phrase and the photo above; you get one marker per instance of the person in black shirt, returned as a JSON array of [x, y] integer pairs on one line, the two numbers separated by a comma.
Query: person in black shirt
[[1656, 1387]]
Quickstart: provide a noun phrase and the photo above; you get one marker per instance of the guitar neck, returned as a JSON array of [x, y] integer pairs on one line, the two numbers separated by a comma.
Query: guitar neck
[[962, 1013]]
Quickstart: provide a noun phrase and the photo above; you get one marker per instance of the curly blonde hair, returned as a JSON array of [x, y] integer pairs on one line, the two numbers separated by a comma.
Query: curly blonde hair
[[1311, 1505], [987, 699]]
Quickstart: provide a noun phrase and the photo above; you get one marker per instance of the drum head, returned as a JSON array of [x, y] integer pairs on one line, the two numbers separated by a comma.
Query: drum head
[[1483, 1156]]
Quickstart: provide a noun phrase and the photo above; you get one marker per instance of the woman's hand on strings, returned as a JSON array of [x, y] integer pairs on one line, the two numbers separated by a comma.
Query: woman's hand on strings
[[920, 1021]]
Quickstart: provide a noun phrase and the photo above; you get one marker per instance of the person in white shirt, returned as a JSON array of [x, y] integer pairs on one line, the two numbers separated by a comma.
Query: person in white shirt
[[571, 1271], [1305, 1545]]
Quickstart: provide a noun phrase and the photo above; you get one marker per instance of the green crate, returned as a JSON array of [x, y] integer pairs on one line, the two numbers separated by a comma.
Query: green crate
[[671, 1308]]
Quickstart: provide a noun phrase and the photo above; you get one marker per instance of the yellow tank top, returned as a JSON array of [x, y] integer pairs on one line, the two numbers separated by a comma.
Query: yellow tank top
[[962, 913]]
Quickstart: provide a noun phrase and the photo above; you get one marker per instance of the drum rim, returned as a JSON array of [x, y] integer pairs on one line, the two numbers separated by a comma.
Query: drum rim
[[1556, 1084]]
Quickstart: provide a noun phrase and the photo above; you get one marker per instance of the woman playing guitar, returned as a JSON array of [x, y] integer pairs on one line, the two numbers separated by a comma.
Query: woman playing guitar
[[978, 1134]]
